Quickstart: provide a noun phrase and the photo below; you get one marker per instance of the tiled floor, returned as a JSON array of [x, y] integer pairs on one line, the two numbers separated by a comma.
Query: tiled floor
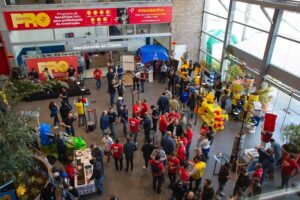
[[137, 184]]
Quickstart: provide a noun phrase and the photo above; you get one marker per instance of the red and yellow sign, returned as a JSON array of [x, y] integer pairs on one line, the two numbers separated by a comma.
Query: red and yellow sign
[[28, 20], [57, 65]]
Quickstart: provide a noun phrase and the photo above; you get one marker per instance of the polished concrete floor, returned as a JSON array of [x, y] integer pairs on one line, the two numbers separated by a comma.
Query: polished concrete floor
[[138, 183]]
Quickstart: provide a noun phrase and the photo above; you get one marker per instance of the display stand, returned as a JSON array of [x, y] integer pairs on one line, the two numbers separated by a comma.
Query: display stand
[[85, 171], [251, 157], [220, 158]]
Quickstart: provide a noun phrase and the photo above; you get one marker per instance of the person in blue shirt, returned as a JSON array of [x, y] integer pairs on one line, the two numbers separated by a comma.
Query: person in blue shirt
[[54, 110], [124, 119], [168, 143], [129, 148], [147, 126], [104, 122], [120, 72]]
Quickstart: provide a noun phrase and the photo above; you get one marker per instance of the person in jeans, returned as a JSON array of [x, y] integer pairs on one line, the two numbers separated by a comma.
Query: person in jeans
[[117, 153], [189, 137], [289, 168], [129, 148], [267, 160], [196, 173], [112, 116], [147, 125], [112, 92], [134, 126], [53, 107], [97, 176], [98, 76], [157, 170], [147, 149], [107, 142], [223, 177], [124, 119], [104, 122], [277, 151]]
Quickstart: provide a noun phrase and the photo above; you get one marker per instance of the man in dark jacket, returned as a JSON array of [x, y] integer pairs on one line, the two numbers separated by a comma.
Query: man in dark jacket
[[242, 182], [147, 126], [147, 149], [223, 177], [163, 103], [129, 149], [97, 153], [208, 190], [176, 129], [168, 143], [267, 161], [64, 110], [97, 176]]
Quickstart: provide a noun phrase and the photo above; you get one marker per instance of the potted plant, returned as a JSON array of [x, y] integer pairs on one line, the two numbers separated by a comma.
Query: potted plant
[[265, 96], [248, 81], [290, 134], [234, 73]]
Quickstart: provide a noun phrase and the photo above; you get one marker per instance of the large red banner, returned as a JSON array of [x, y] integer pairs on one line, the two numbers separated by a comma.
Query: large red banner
[[57, 65], [28, 20]]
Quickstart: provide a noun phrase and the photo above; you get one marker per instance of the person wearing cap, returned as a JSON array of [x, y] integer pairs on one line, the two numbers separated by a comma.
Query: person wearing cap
[[267, 161], [117, 153], [223, 177], [242, 182], [124, 119], [157, 170], [128, 149]]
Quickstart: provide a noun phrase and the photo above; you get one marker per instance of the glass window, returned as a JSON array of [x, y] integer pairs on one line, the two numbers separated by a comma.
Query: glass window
[[211, 63], [217, 7], [214, 25], [253, 15], [286, 56], [212, 46], [249, 40], [290, 25]]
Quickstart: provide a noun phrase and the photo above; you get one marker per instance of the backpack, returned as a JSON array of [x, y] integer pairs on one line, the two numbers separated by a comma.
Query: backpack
[[155, 168]]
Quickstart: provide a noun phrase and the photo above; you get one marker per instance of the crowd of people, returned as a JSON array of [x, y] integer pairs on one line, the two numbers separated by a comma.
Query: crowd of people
[[166, 138]]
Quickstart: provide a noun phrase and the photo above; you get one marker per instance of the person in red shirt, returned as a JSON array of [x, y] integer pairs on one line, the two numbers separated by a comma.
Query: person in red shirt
[[144, 107], [204, 129], [181, 152], [173, 167], [98, 76], [71, 171], [163, 124], [189, 137], [157, 170], [184, 174], [134, 127], [136, 110], [258, 172], [289, 168], [116, 150], [173, 116], [183, 139]]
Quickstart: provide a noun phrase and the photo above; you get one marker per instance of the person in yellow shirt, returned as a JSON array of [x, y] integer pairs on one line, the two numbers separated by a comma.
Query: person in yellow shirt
[[197, 172], [80, 110], [235, 99], [174, 104]]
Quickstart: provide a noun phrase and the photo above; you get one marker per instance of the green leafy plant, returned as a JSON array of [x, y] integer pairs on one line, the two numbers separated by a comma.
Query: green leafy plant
[[264, 95], [290, 134], [249, 76], [234, 72]]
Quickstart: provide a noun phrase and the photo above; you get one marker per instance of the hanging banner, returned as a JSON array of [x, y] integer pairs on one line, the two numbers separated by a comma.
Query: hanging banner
[[28, 20], [57, 65]]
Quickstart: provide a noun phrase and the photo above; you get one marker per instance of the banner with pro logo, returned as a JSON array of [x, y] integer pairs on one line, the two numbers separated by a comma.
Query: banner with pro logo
[[46, 19], [57, 65]]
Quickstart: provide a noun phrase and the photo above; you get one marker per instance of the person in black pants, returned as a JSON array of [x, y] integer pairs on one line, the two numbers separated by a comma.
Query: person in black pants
[[61, 148], [129, 149], [147, 126], [154, 116], [157, 169], [147, 149]]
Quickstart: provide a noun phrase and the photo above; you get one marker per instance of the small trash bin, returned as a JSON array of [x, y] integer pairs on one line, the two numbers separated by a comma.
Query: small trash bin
[[91, 126]]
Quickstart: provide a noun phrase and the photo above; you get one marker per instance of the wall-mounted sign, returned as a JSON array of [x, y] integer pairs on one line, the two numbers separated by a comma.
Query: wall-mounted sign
[[27, 20], [57, 65], [96, 46]]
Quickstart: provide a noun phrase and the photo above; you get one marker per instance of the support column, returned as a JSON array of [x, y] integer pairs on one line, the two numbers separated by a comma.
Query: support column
[[269, 47], [227, 37]]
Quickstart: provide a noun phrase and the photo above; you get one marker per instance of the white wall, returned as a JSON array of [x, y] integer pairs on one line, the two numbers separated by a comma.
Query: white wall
[[31, 35], [134, 44], [162, 28]]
